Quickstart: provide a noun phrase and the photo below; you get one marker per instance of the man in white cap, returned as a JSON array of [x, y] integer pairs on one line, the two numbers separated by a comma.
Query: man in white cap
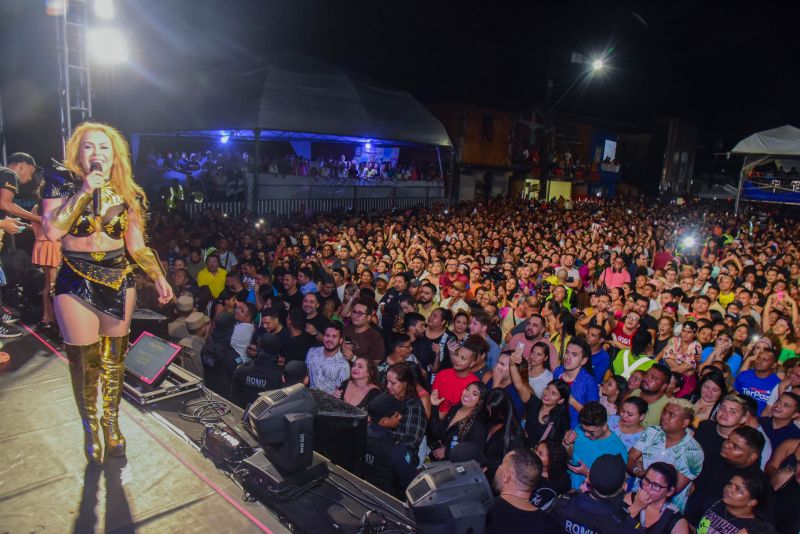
[[177, 328], [197, 325]]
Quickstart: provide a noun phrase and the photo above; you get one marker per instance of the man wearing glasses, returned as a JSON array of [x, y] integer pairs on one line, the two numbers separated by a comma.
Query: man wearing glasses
[[364, 340], [589, 441]]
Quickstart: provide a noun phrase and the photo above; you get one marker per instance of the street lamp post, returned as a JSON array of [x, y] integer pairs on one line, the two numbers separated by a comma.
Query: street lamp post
[[596, 67]]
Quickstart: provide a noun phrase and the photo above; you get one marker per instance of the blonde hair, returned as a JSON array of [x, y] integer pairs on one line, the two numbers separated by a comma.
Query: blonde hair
[[688, 407], [121, 171]]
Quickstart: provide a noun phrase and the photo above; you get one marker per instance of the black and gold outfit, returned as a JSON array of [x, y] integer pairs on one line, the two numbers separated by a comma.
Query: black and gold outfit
[[97, 278], [100, 279]]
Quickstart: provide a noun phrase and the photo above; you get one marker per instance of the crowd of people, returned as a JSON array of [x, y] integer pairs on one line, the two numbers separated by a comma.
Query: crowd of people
[[601, 358], [342, 168], [221, 174], [195, 175]]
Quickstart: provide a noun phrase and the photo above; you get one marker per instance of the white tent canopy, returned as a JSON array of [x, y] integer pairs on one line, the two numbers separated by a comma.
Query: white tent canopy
[[763, 147], [782, 141]]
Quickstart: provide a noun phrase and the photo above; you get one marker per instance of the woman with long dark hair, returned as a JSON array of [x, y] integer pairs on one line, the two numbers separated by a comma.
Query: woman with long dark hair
[[362, 386], [504, 432], [538, 369], [554, 480], [464, 422], [545, 419], [666, 330], [612, 393], [710, 390]]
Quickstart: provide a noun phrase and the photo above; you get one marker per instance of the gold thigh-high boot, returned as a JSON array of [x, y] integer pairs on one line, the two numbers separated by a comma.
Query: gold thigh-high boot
[[113, 350], [84, 369]]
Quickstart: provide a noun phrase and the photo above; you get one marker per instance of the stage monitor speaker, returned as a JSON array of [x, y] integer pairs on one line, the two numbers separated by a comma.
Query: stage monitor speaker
[[340, 432], [450, 498], [145, 320], [148, 358]]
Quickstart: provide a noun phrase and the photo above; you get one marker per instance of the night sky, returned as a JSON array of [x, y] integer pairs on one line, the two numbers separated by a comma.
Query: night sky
[[728, 67]]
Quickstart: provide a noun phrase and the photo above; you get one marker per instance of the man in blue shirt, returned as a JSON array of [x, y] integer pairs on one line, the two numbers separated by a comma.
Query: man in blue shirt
[[601, 360], [583, 386], [305, 279], [757, 383], [591, 440]]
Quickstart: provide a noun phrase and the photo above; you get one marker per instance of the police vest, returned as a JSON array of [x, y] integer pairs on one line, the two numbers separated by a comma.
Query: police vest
[[256, 376], [582, 514], [378, 462]]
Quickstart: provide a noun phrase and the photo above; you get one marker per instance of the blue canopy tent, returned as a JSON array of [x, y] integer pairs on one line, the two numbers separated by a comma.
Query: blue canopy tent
[[780, 145]]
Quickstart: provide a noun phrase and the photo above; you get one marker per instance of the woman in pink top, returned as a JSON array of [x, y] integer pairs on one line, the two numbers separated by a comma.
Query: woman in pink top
[[682, 355]]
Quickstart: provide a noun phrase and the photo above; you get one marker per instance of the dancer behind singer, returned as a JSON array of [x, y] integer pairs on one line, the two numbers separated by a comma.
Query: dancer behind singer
[[94, 293], [47, 255]]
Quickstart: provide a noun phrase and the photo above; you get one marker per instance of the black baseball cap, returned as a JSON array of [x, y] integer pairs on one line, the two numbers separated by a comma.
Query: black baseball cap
[[23, 157], [269, 344], [294, 372], [607, 475], [382, 406]]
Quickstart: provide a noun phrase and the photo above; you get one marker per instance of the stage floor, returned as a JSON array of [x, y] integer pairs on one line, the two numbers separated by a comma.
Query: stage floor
[[166, 485]]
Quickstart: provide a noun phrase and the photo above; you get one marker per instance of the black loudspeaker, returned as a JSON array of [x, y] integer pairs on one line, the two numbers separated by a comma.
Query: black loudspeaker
[[145, 320], [450, 498], [340, 432]]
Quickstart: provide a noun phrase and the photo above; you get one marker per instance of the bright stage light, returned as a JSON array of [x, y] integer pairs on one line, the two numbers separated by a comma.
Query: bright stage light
[[107, 45], [104, 9], [597, 65], [55, 8], [224, 138], [688, 241], [368, 145]]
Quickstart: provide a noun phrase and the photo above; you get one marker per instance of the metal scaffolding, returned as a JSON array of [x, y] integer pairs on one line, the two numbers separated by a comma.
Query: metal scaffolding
[[75, 81]]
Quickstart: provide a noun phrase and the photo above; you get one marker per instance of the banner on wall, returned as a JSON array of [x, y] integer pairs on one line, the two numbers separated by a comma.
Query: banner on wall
[[377, 153], [765, 189]]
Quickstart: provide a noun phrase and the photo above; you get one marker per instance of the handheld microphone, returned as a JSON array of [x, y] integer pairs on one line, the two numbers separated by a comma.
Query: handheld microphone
[[95, 166]]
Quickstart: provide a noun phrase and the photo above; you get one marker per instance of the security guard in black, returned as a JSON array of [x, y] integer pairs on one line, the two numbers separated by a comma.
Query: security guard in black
[[601, 509], [260, 374], [389, 465]]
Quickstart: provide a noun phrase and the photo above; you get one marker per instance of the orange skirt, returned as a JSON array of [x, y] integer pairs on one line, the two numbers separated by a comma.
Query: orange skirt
[[46, 253]]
